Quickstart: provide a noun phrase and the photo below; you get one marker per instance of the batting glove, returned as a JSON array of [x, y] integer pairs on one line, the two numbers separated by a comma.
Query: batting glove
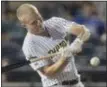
[[65, 52], [76, 46]]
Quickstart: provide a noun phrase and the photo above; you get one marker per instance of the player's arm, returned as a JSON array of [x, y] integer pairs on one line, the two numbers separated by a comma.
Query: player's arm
[[48, 68], [82, 34], [57, 67], [62, 25], [81, 31]]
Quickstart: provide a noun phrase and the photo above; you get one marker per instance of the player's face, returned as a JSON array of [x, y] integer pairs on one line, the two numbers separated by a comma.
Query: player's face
[[33, 22]]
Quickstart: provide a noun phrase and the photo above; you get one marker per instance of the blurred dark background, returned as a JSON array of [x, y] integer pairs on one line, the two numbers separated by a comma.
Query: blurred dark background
[[91, 14]]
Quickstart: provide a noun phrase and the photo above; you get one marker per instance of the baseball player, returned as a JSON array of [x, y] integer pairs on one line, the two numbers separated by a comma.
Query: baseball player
[[47, 37]]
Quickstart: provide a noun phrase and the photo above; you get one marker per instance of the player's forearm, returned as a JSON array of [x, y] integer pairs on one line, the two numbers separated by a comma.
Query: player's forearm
[[77, 29], [56, 67], [85, 35]]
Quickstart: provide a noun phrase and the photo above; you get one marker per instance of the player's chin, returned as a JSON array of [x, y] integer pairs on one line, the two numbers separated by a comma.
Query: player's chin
[[41, 27], [37, 29]]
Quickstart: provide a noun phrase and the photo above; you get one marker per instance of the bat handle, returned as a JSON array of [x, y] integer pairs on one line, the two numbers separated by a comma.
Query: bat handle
[[44, 57]]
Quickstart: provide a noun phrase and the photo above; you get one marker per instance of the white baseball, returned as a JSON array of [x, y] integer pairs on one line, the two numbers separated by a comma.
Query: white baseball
[[95, 61]]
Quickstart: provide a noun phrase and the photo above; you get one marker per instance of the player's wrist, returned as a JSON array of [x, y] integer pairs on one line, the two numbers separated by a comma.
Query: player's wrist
[[85, 35], [77, 41]]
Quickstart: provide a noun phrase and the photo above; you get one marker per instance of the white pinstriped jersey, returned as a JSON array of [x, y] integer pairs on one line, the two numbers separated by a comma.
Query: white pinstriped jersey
[[35, 45]]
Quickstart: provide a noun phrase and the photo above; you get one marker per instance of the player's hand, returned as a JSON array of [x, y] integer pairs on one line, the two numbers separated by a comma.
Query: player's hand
[[65, 52], [84, 36], [76, 46]]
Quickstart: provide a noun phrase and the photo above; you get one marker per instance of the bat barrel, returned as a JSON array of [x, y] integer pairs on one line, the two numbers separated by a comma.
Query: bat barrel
[[13, 66]]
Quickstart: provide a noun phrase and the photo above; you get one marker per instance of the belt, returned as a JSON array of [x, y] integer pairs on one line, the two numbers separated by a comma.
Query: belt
[[69, 82]]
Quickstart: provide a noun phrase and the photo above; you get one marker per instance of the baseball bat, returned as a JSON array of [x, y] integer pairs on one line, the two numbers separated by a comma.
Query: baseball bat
[[26, 62]]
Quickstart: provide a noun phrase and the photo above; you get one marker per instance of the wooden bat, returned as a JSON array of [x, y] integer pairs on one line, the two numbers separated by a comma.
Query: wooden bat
[[26, 62]]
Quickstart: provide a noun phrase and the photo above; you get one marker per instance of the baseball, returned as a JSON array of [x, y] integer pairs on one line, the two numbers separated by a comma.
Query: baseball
[[95, 61]]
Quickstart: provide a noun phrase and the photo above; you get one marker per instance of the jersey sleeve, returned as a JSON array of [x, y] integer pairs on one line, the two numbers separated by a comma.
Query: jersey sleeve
[[60, 24], [31, 52]]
